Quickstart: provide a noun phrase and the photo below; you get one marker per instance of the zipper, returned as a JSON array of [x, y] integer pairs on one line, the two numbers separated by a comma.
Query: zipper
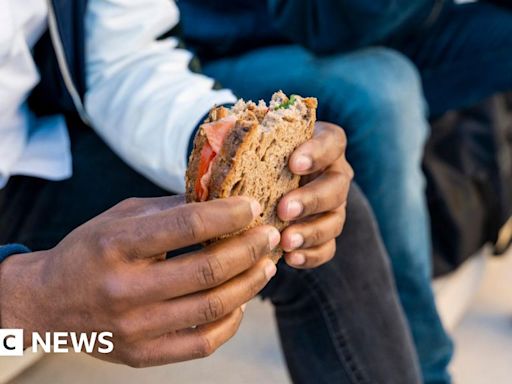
[[63, 65]]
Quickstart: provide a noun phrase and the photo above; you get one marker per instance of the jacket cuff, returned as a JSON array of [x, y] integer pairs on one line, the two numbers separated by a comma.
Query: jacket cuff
[[12, 249]]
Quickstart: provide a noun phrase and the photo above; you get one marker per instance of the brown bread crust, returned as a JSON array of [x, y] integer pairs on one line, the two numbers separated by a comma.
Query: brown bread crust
[[254, 158]]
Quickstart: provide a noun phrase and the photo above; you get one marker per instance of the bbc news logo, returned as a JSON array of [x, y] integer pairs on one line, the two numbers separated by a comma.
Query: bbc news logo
[[11, 342]]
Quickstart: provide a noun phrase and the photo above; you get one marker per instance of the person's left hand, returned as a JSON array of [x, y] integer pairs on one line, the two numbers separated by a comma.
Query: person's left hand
[[317, 208]]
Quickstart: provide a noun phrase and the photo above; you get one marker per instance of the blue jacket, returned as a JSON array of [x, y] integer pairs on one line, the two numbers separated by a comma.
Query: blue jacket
[[214, 28]]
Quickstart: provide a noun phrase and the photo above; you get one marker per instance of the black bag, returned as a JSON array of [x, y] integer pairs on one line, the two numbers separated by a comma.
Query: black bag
[[468, 164]]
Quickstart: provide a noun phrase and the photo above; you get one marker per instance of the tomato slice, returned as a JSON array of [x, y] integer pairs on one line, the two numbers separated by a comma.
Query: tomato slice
[[207, 156], [216, 133]]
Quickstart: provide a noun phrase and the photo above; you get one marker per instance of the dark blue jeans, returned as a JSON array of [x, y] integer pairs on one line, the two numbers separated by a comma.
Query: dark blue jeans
[[340, 323]]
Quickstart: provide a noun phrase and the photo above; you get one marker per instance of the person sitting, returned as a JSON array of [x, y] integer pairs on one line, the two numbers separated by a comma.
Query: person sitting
[[118, 67]]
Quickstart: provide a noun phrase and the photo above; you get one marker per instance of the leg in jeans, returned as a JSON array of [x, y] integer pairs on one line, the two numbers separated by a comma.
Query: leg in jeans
[[465, 56], [349, 346], [346, 313], [376, 96]]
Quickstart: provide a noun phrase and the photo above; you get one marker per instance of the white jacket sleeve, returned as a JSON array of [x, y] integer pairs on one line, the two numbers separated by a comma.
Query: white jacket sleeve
[[141, 97]]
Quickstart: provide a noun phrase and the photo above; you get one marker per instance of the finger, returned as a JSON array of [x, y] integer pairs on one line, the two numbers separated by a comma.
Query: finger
[[311, 257], [149, 235], [318, 230], [340, 165], [326, 146], [143, 206], [199, 308], [325, 193], [199, 271], [184, 345]]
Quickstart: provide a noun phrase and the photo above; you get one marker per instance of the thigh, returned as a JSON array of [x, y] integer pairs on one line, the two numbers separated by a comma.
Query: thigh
[[259, 73], [343, 83], [39, 213], [464, 56]]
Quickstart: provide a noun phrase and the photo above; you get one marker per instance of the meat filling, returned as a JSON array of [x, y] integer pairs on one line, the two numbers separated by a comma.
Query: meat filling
[[216, 132]]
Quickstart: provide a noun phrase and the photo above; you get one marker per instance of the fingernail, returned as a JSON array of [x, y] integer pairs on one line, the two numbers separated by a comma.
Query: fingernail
[[296, 240], [297, 259], [274, 237], [270, 270], [303, 163], [293, 209], [255, 208], [243, 307]]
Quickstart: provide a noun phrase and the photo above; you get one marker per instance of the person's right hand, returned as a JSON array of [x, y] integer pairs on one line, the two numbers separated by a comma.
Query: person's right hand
[[110, 274]]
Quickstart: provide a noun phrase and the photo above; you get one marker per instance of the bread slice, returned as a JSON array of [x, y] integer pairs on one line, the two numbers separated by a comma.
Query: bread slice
[[253, 160]]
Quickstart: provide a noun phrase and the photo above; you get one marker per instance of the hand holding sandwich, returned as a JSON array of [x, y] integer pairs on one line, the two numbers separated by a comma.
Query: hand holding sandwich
[[317, 208], [276, 154], [111, 274]]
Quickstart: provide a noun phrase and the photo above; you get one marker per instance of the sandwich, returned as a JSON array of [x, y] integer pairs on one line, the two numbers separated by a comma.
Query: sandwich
[[244, 151]]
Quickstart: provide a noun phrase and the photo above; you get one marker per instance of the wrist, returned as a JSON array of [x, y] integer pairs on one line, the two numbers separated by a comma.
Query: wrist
[[20, 286]]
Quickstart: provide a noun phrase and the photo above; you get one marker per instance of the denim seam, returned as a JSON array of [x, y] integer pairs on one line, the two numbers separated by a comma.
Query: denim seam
[[341, 346]]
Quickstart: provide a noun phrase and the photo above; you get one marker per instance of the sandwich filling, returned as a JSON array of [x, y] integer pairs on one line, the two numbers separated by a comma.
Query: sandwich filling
[[216, 132]]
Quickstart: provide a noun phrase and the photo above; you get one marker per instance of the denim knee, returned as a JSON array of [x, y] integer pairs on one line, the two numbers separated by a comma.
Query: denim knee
[[386, 106]]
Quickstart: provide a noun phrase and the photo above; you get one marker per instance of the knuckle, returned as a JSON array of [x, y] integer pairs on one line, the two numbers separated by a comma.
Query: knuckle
[[340, 221], [114, 293], [212, 308], [205, 346], [210, 272], [315, 236], [123, 329], [253, 251], [256, 285], [339, 180], [312, 236], [131, 202], [109, 241], [135, 358], [341, 136], [313, 205], [106, 243], [191, 225], [339, 184]]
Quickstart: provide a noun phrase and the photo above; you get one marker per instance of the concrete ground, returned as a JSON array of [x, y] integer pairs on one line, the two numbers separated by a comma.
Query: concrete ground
[[483, 339]]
